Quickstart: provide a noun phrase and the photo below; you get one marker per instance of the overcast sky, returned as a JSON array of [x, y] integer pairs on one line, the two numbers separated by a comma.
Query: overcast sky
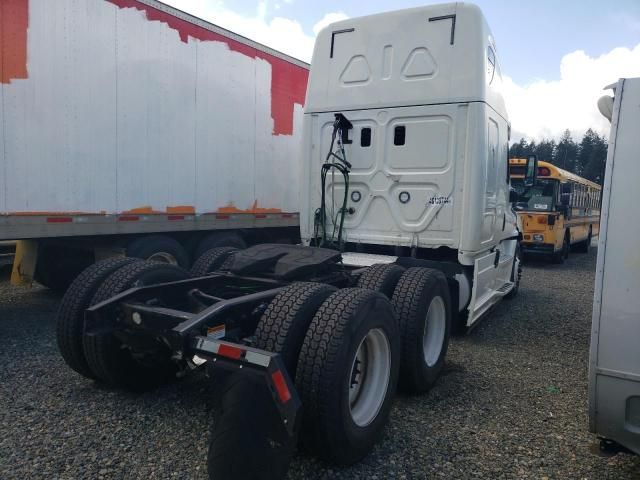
[[556, 55]]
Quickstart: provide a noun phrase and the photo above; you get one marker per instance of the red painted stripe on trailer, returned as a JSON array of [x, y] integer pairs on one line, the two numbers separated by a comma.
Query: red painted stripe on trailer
[[14, 23], [128, 218], [176, 217], [59, 220], [287, 215], [229, 351], [222, 217], [281, 386], [260, 215], [288, 81]]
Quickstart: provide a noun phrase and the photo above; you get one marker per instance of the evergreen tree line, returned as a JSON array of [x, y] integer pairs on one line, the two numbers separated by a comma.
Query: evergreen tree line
[[586, 159]]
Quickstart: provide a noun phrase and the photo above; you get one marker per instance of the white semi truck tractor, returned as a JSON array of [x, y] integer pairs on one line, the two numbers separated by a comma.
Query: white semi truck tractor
[[407, 230]]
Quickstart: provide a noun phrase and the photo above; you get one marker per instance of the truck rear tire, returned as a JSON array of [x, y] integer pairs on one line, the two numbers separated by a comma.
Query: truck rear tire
[[284, 323], [159, 248], [212, 260], [347, 374], [381, 278], [422, 303], [107, 356], [70, 318], [219, 239]]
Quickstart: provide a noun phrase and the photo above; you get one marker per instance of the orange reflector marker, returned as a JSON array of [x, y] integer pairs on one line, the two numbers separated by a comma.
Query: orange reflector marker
[[281, 386], [230, 352]]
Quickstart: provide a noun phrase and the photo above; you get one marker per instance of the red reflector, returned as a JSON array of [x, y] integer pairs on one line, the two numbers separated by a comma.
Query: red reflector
[[261, 216], [59, 219], [544, 171], [281, 386], [542, 220], [230, 352], [128, 218], [176, 217], [222, 217]]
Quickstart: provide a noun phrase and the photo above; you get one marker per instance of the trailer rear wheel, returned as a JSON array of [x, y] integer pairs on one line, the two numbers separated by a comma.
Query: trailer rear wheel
[[284, 323], [381, 278], [423, 305], [159, 248], [212, 260], [110, 359], [347, 374], [219, 239], [70, 318]]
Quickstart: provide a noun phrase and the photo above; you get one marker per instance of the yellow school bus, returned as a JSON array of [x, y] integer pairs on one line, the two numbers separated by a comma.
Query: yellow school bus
[[559, 213]]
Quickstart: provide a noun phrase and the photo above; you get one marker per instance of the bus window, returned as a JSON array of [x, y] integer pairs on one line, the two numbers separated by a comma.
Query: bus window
[[541, 197]]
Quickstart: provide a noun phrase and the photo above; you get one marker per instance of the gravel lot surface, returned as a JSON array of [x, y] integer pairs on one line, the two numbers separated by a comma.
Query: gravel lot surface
[[512, 402]]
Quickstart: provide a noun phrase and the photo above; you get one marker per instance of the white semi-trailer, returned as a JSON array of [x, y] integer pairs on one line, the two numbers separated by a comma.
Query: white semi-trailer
[[130, 127], [614, 365], [407, 231]]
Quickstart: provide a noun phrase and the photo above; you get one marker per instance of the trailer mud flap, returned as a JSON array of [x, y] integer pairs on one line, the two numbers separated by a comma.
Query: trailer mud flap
[[261, 366], [255, 428]]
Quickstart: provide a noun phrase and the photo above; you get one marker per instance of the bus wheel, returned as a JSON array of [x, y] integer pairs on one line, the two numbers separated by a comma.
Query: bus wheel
[[583, 247], [561, 255]]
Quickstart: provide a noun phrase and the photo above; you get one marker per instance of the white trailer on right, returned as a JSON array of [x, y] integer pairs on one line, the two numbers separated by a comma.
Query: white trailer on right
[[614, 366]]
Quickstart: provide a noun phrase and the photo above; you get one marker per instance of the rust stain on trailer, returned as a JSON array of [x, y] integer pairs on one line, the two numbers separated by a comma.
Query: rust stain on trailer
[[51, 214], [231, 208], [14, 22], [288, 81], [182, 209]]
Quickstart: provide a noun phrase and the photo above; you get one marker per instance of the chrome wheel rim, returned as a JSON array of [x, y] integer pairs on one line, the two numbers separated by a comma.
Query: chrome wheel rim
[[369, 377], [163, 257], [434, 330]]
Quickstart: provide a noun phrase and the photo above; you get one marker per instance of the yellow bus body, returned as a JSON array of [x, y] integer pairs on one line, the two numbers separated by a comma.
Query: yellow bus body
[[544, 232]]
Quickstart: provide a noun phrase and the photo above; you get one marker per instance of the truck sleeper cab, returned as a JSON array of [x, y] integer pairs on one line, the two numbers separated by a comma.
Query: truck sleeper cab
[[428, 147], [561, 211], [406, 222]]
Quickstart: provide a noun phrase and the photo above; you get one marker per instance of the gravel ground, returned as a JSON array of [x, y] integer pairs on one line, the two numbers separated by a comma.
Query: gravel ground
[[512, 402]]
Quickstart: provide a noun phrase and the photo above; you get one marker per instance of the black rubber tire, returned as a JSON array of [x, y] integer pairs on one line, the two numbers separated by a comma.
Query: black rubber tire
[[219, 239], [212, 260], [560, 256], [584, 246], [109, 362], [411, 300], [323, 375], [149, 245], [248, 440], [381, 278], [284, 323], [515, 275], [70, 317]]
